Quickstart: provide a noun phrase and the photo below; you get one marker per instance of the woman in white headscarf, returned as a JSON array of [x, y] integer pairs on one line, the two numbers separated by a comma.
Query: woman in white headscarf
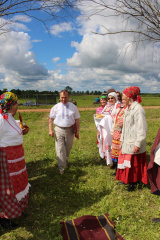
[[106, 126], [112, 105]]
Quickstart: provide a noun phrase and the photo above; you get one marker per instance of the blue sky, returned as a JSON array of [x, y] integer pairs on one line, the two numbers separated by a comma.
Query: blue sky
[[73, 55]]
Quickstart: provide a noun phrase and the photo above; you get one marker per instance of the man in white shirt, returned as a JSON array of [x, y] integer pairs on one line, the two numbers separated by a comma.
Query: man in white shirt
[[65, 116]]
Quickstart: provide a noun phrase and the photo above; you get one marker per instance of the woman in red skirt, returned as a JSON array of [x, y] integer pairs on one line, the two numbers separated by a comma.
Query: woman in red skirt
[[132, 161], [14, 186]]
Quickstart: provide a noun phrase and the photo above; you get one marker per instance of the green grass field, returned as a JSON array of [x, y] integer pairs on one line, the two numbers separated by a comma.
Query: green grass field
[[87, 187], [88, 101]]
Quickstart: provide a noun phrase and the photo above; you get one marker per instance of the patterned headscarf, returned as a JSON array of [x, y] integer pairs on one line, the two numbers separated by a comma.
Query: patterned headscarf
[[7, 101], [132, 92]]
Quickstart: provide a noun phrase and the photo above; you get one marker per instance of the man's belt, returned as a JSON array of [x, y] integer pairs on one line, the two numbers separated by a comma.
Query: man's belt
[[64, 127]]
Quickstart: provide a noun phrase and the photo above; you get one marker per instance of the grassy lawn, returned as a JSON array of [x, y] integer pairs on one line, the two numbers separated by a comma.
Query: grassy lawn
[[88, 101], [87, 187]]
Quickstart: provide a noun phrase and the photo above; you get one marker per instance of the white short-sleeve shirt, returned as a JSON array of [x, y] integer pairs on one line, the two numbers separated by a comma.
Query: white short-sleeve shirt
[[10, 132], [64, 115]]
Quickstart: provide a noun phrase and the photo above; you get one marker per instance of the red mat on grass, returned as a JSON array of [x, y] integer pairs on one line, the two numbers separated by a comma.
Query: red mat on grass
[[90, 227]]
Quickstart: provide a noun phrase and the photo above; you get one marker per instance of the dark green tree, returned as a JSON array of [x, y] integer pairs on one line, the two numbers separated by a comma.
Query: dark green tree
[[69, 89]]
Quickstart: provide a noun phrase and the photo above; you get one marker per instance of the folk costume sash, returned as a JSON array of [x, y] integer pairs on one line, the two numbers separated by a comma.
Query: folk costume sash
[[117, 133], [17, 171], [119, 119]]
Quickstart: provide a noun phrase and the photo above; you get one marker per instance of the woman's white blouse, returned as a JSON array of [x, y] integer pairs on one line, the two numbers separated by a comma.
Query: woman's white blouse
[[10, 132]]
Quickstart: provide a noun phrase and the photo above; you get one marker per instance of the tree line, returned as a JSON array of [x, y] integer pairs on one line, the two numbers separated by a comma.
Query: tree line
[[28, 93]]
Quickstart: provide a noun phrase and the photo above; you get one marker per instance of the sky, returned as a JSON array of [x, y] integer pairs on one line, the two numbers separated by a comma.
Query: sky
[[71, 54]]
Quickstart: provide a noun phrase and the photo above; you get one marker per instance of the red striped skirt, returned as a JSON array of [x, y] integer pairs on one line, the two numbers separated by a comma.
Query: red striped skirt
[[137, 172], [14, 186]]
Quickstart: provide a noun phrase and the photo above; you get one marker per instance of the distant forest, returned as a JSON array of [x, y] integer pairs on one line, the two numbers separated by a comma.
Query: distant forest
[[27, 93], [23, 93]]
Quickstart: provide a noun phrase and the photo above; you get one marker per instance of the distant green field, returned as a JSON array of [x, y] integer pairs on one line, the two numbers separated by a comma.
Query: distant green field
[[150, 101], [88, 101]]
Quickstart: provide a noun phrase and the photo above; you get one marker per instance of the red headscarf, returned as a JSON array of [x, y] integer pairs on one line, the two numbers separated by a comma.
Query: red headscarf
[[132, 92]]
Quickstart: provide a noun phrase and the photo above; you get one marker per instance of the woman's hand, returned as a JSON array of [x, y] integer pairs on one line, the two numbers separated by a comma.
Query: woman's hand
[[120, 125], [25, 130], [136, 149]]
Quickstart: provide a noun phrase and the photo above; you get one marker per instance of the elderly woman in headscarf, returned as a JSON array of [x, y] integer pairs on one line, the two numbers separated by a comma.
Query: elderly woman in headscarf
[[103, 101], [116, 132], [132, 160], [14, 186], [110, 108], [109, 112]]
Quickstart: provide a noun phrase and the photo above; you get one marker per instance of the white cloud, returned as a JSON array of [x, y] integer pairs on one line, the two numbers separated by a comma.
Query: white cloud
[[19, 27], [18, 64], [56, 59], [16, 23], [60, 28], [115, 60], [98, 62], [36, 40], [94, 79], [93, 51], [21, 18]]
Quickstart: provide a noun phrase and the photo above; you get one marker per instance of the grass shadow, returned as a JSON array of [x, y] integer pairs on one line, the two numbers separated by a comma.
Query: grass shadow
[[54, 197]]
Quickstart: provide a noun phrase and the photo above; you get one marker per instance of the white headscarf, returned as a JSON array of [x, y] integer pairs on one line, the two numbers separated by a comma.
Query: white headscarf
[[113, 94]]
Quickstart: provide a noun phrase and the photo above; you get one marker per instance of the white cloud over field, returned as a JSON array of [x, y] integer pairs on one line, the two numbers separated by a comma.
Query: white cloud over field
[[18, 65], [98, 62]]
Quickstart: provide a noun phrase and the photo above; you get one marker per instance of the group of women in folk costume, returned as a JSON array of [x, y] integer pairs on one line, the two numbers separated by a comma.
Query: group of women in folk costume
[[129, 139], [14, 186]]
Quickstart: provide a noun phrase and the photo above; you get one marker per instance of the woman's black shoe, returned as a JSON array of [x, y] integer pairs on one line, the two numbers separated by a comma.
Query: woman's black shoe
[[156, 220], [131, 187], [6, 223]]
